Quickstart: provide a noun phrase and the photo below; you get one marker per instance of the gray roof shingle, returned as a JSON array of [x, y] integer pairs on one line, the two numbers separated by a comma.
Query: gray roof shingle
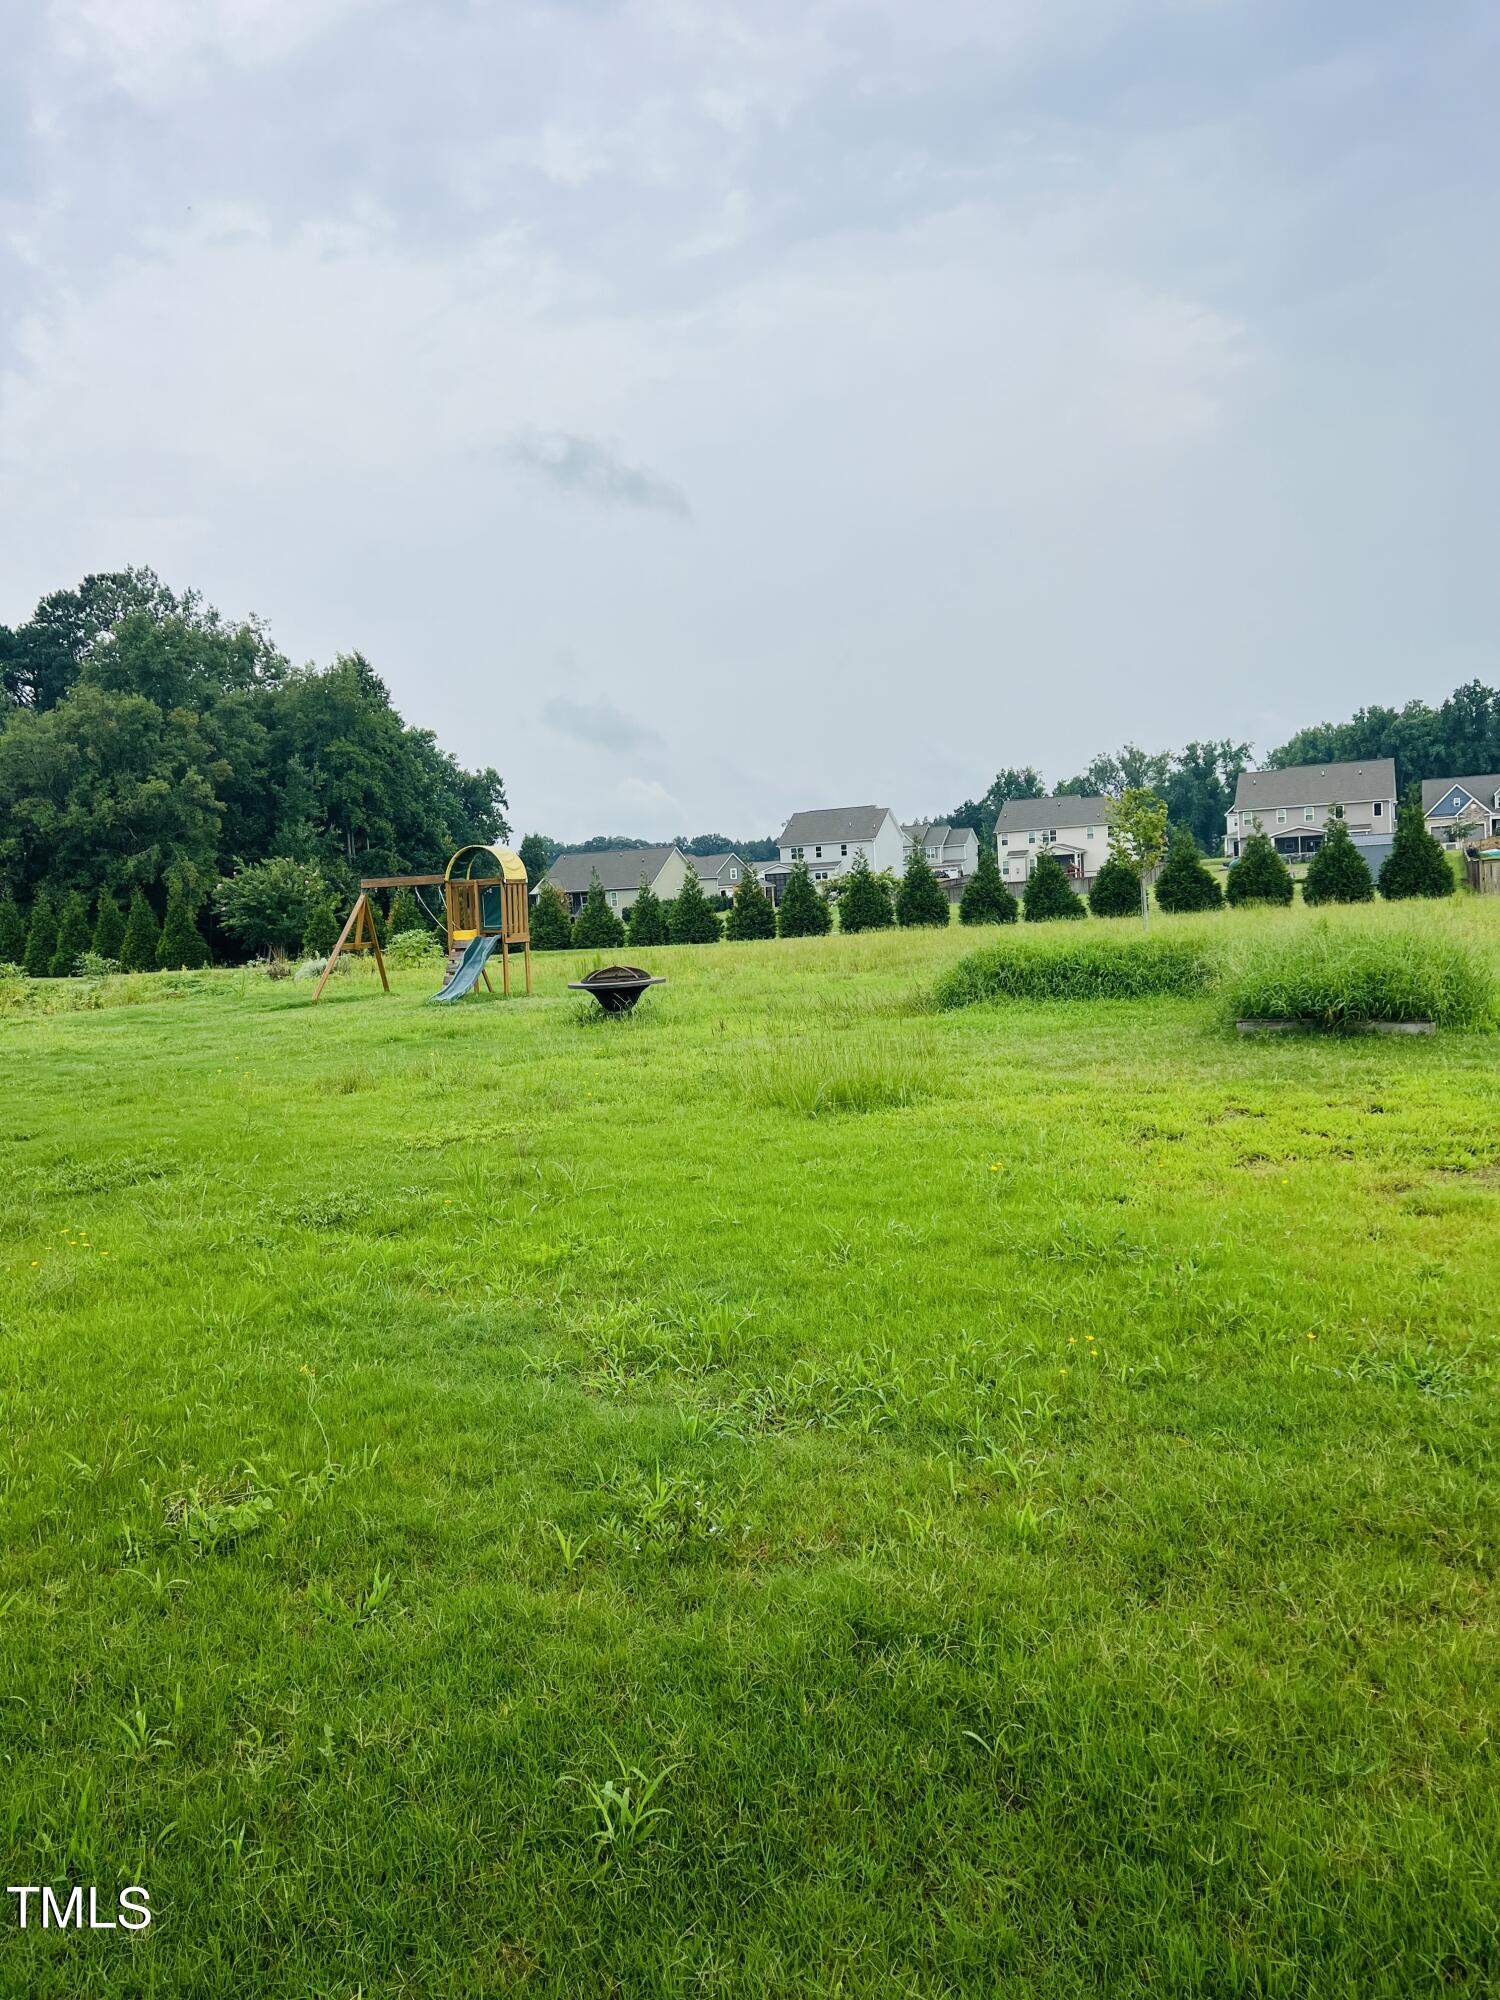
[[1038, 815], [1316, 785], [616, 867], [832, 823], [708, 867], [1481, 789]]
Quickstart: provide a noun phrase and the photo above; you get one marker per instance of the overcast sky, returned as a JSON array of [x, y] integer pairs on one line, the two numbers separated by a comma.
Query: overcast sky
[[701, 409]]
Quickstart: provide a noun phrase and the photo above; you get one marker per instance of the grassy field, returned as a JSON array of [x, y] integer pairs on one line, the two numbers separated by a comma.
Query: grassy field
[[787, 1493]]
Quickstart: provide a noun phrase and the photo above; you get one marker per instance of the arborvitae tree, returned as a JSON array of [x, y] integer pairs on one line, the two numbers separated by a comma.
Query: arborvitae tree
[[1338, 872], [750, 914], [406, 915], [74, 931], [803, 912], [647, 922], [1117, 890], [920, 900], [1416, 865], [551, 928], [597, 928], [689, 919], [985, 899], [109, 928], [138, 946], [319, 934], [180, 947], [1260, 875], [12, 931], [1184, 883], [41, 938], [1049, 893], [865, 900]]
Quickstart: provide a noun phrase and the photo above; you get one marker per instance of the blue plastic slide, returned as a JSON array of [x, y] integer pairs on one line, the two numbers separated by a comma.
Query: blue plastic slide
[[466, 972]]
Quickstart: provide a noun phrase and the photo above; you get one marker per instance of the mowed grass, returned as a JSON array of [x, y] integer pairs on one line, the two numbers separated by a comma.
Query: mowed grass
[[790, 1492]]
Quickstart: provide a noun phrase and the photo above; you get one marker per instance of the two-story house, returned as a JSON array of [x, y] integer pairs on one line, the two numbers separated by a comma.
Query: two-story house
[[619, 870], [832, 839], [953, 851], [719, 873], [1462, 807], [1294, 806], [1074, 830]]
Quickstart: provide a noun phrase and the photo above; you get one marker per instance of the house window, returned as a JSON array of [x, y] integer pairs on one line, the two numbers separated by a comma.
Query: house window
[[1052, 833], [843, 847], [1307, 813], [1005, 840], [818, 853], [1091, 833], [932, 854], [1031, 839], [1281, 816], [1379, 808], [614, 896], [796, 854], [734, 874], [820, 874]]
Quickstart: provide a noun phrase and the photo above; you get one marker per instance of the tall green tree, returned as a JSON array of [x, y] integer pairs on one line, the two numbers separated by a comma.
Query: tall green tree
[[1138, 837], [1184, 882], [689, 918], [321, 931], [1014, 782], [1116, 889], [1260, 875], [920, 900], [865, 902], [74, 932], [181, 947], [751, 914], [551, 926], [647, 921], [1049, 894], [596, 927], [406, 915], [109, 928], [138, 946], [985, 899], [12, 930], [803, 912], [266, 905], [1338, 872], [41, 937], [1416, 865], [537, 854]]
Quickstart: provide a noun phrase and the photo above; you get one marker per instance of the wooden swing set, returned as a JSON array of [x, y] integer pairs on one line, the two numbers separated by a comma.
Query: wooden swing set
[[485, 895]]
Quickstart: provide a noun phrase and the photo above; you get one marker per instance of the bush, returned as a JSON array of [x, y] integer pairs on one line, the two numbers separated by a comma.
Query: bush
[[41, 938], [865, 900], [1338, 872], [1093, 967], [551, 927], [12, 931], [803, 912], [647, 922], [750, 914], [1416, 865], [1341, 978], [597, 928], [689, 919], [138, 946], [1184, 884], [412, 947], [94, 965], [1260, 875], [1116, 891], [74, 932], [920, 900], [319, 934], [109, 928], [266, 906], [1049, 894], [985, 899]]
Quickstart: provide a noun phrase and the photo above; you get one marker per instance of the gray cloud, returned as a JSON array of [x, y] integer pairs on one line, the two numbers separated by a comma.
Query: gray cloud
[[584, 466], [597, 722]]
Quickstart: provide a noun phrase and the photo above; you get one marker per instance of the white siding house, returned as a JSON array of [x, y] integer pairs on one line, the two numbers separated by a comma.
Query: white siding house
[[1294, 806], [952, 850], [831, 839], [1075, 830]]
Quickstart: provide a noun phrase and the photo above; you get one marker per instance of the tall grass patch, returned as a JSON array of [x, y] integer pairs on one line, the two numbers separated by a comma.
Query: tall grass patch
[[1342, 978], [1076, 968], [827, 1075]]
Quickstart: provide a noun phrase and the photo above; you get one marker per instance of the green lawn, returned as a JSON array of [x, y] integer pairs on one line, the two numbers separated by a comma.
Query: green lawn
[[788, 1493]]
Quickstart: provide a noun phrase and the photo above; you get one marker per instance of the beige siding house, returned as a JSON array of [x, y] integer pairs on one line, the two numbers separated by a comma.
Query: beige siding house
[[619, 870], [1075, 830], [1295, 805]]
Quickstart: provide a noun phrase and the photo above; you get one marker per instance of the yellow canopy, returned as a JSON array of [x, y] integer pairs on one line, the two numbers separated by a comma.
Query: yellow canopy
[[509, 867]]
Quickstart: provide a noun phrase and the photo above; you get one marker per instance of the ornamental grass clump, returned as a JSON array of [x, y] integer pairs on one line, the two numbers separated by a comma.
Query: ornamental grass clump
[[1076, 968], [1341, 978]]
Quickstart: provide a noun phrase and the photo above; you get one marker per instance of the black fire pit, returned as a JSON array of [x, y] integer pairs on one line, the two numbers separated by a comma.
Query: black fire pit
[[616, 987]]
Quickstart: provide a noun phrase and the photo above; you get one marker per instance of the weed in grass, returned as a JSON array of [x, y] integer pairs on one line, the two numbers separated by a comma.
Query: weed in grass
[[622, 1807]]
